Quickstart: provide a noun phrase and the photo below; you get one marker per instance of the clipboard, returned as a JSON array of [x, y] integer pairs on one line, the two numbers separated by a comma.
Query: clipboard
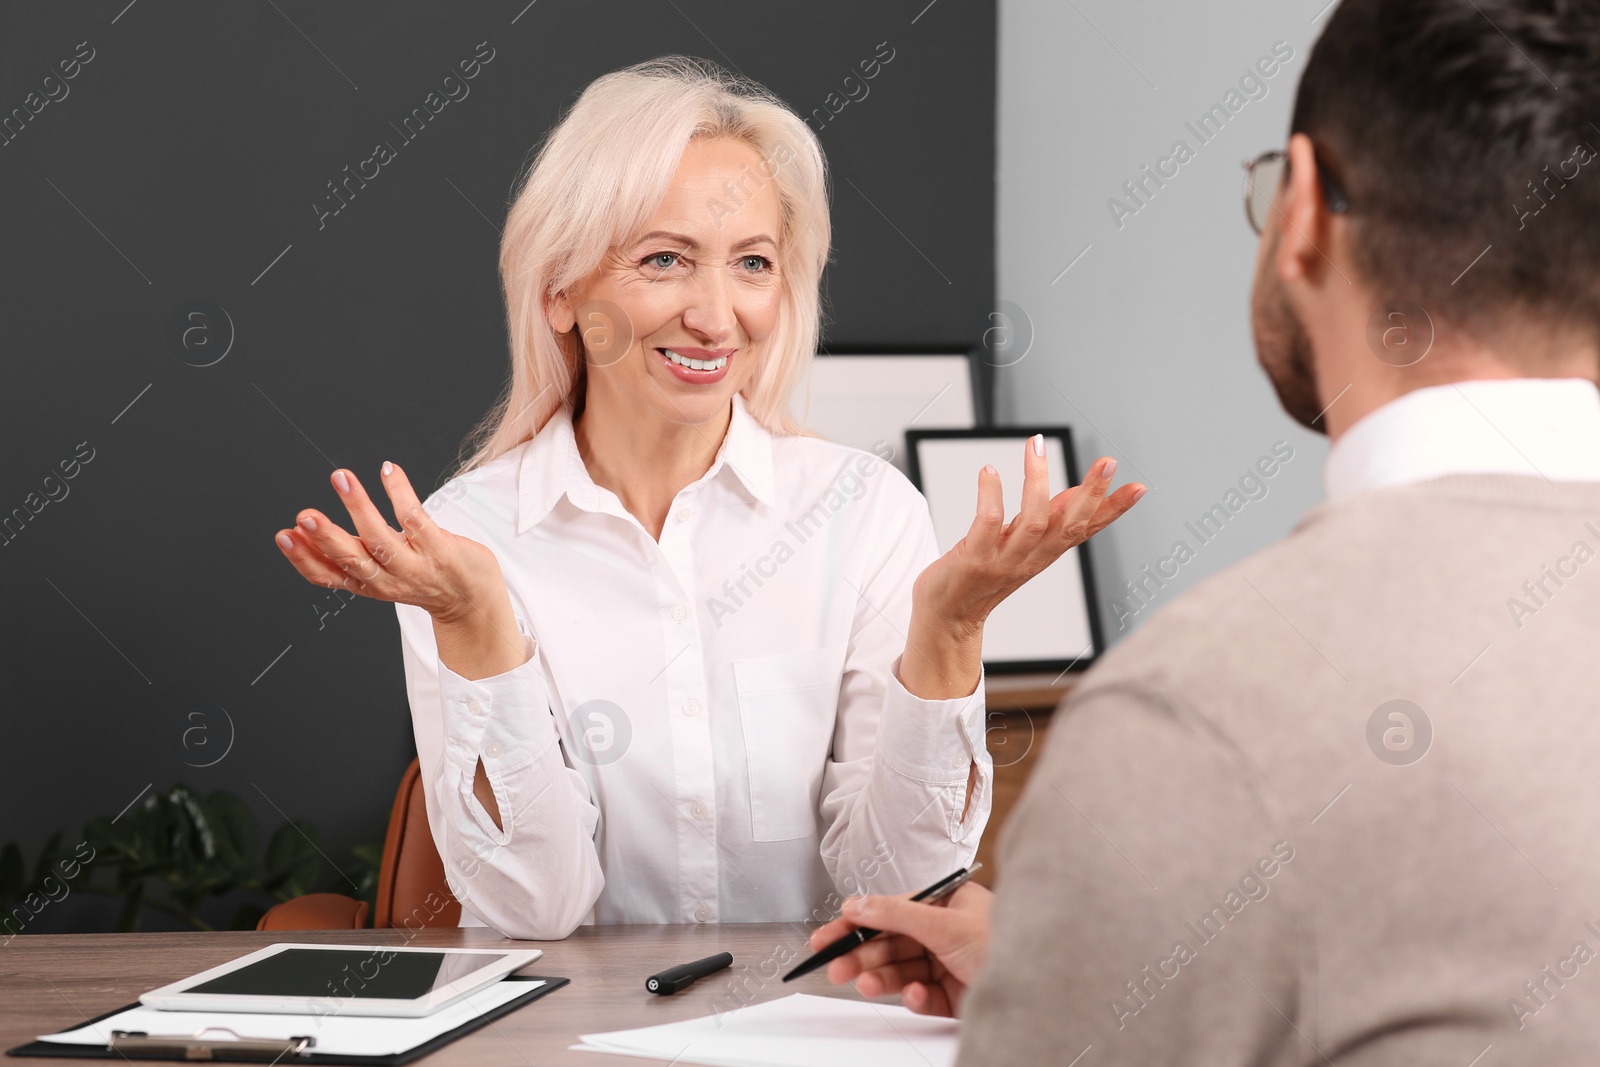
[[243, 1049]]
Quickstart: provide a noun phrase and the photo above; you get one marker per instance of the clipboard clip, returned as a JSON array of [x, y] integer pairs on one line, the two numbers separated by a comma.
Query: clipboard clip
[[197, 1046]]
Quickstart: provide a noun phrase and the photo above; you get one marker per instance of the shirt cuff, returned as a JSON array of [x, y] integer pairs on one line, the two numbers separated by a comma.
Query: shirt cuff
[[504, 719], [931, 740]]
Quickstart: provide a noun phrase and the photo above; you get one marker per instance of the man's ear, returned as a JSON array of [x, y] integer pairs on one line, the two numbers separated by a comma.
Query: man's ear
[[559, 312], [1302, 216]]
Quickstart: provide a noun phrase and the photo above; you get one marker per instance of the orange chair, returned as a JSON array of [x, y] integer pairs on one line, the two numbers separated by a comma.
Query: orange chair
[[412, 891]]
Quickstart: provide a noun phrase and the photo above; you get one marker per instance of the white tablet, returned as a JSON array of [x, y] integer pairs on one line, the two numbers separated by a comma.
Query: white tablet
[[324, 980]]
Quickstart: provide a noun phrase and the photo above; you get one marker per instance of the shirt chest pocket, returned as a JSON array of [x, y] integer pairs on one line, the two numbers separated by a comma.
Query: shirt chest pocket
[[787, 707]]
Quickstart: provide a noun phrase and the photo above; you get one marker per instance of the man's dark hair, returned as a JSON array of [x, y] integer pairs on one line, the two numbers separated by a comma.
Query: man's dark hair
[[1457, 125]]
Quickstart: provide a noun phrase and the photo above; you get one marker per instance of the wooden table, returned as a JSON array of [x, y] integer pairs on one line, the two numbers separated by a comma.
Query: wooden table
[[53, 982]]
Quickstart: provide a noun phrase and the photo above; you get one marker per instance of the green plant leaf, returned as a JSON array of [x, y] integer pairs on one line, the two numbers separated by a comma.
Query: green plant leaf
[[293, 859], [175, 850], [47, 856], [192, 823], [237, 838], [110, 842], [369, 861], [128, 918]]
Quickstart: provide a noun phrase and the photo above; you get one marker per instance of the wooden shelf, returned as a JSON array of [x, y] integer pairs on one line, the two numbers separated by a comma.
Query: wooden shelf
[[1019, 707], [1007, 693]]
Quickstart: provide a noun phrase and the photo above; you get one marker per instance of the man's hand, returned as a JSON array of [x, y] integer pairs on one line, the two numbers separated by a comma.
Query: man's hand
[[928, 953]]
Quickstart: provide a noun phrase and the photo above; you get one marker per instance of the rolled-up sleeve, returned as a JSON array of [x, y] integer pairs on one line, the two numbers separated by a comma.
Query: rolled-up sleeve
[[895, 807], [537, 875]]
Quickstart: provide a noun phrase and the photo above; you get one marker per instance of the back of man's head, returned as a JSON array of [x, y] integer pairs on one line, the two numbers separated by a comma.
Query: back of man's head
[[1456, 126]]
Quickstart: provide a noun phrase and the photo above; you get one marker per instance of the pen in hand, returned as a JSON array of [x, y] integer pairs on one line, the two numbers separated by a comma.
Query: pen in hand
[[934, 894]]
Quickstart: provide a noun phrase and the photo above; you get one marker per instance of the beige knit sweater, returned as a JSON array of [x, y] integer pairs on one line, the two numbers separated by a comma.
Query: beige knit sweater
[[1237, 850]]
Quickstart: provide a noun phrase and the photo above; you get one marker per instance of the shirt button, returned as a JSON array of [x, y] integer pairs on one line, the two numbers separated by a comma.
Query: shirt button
[[702, 914], [679, 612], [477, 708], [683, 514], [690, 708], [959, 761], [492, 751], [698, 811]]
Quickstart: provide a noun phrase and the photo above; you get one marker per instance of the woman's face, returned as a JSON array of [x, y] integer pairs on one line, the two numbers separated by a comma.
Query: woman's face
[[673, 322]]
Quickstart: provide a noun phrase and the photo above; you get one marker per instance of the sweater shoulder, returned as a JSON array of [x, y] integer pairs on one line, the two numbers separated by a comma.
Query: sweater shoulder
[[1340, 556]]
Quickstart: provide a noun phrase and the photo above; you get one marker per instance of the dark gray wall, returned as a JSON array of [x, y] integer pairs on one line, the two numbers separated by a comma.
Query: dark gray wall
[[149, 622]]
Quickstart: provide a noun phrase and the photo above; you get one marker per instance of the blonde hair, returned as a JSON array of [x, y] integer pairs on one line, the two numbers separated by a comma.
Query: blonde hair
[[599, 178]]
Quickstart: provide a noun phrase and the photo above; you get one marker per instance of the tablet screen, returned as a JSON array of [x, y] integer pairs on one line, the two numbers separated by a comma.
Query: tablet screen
[[366, 973]]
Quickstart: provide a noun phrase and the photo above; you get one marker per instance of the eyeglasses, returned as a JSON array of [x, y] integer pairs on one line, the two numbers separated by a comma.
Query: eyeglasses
[[1263, 178]]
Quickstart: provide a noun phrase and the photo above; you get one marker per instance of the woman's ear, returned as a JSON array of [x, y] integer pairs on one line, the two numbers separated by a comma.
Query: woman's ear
[[559, 312]]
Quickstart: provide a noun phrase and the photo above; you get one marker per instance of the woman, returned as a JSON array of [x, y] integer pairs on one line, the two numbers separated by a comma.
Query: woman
[[668, 659]]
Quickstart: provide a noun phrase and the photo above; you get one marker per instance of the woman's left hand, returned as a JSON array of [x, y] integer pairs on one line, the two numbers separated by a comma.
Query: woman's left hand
[[958, 590]]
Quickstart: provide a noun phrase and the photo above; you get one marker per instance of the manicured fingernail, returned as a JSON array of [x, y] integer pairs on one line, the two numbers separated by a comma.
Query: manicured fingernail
[[1038, 444], [1138, 494], [989, 469], [1109, 469], [286, 542], [388, 468], [341, 481], [309, 523]]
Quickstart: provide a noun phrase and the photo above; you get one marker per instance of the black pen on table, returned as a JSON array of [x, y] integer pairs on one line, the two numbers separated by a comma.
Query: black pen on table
[[934, 894], [673, 979]]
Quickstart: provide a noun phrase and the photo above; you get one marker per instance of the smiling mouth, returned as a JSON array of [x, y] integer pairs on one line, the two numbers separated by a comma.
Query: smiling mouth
[[694, 364]]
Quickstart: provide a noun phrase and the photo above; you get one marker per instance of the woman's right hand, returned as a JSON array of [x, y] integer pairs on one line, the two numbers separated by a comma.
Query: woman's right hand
[[449, 576], [453, 578]]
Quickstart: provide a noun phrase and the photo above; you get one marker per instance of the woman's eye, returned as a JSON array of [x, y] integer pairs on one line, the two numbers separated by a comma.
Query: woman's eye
[[757, 263], [662, 260]]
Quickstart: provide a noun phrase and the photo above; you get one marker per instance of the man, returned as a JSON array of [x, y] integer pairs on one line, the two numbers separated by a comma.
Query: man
[[1341, 803]]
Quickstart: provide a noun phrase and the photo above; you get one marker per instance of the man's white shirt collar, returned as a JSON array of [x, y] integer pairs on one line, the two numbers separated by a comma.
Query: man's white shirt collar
[[1539, 427]]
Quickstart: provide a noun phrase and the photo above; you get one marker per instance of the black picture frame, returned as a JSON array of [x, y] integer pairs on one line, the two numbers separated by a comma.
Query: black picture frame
[[1020, 434]]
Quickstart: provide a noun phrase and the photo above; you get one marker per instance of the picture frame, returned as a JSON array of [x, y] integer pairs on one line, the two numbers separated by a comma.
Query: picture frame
[[862, 397], [1051, 624]]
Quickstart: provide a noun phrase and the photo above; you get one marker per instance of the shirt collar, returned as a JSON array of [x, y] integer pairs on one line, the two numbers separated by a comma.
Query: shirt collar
[[747, 451], [1542, 427], [552, 466]]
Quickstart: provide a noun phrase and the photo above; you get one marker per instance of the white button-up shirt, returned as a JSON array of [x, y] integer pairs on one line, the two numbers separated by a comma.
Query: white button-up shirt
[[708, 728], [1541, 427]]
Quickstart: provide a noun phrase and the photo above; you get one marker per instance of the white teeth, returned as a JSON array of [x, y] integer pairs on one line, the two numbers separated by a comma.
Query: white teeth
[[696, 364]]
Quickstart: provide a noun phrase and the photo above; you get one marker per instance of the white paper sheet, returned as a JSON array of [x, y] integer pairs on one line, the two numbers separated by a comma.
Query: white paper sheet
[[796, 1031], [349, 1035]]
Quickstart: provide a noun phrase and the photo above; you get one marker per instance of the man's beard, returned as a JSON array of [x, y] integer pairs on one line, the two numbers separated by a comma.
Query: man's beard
[[1283, 346]]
